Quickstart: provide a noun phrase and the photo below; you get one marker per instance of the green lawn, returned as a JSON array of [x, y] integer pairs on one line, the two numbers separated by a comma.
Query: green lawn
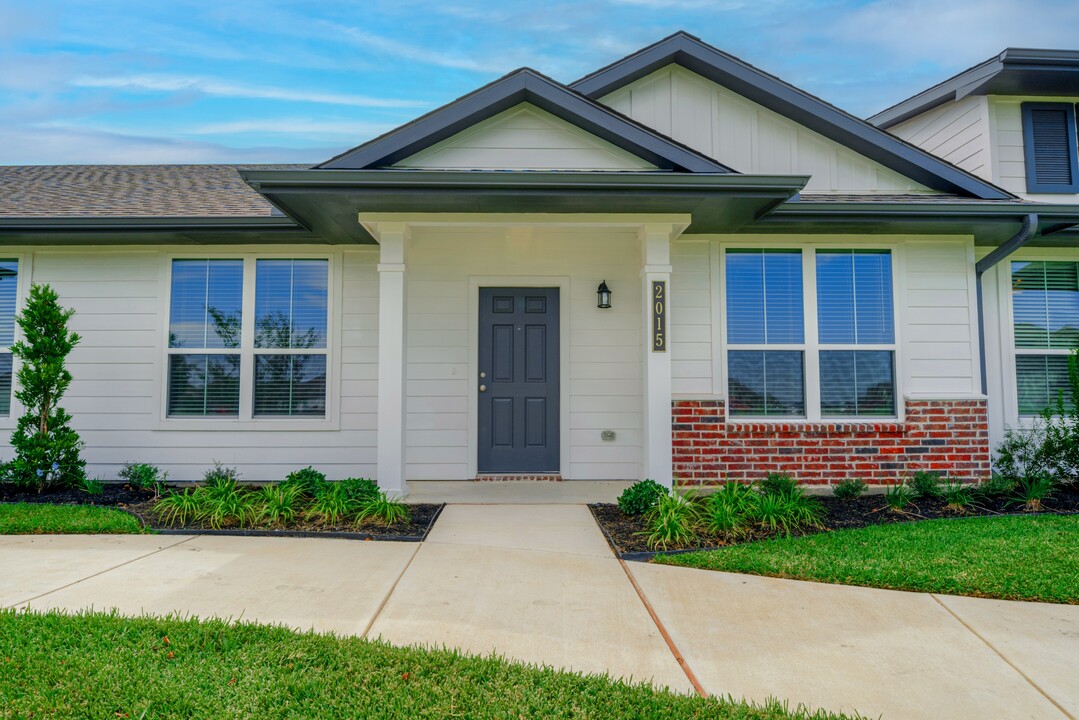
[[105, 666], [1014, 557], [40, 519]]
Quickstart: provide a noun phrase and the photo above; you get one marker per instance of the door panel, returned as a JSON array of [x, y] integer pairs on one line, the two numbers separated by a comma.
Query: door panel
[[519, 380]]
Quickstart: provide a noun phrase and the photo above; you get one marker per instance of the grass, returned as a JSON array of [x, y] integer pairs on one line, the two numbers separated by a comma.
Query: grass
[[100, 666], [41, 519], [1009, 557]]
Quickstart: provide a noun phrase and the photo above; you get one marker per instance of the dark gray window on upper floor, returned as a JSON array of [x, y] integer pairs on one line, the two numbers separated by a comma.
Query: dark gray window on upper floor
[[1050, 147]]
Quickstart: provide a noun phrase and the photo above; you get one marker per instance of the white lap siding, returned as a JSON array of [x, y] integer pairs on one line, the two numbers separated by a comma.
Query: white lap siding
[[604, 366], [121, 302]]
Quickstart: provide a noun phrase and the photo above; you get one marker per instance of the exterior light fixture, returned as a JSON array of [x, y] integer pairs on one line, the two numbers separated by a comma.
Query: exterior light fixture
[[604, 294]]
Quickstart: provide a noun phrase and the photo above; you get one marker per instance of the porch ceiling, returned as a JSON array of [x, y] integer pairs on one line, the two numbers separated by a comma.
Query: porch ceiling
[[328, 202]]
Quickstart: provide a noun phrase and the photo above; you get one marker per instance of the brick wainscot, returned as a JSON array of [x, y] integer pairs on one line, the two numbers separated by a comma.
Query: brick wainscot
[[947, 436]]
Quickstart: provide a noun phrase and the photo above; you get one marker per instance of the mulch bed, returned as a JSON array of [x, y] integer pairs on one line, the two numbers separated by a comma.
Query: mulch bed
[[140, 503], [623, 532]]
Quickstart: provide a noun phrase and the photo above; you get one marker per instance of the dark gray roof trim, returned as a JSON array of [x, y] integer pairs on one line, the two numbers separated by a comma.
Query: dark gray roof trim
[[1016, 71], [776, 95], [524, 85]]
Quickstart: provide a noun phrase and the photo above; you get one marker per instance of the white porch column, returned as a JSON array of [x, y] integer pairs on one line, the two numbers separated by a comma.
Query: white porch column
[[392, 319], [656, 368]]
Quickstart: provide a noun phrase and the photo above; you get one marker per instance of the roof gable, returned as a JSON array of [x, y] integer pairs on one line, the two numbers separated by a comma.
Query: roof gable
[[524, 138], [524, 86], [790, 102], [723, 124]]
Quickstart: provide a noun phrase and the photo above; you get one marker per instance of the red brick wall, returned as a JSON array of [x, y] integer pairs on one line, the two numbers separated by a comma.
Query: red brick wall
[[947, 436]]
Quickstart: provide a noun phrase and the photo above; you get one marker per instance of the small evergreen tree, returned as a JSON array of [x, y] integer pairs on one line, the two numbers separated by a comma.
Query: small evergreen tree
[[46, 448]]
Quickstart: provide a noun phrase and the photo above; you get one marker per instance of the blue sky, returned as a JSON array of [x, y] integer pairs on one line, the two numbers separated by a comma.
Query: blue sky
[[110, 81]]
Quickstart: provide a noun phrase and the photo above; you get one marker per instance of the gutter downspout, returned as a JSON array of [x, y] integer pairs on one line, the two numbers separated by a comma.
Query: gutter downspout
[[1027, 233]]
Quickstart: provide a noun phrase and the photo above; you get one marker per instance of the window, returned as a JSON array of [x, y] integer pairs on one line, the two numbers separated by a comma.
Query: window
[[1050, 148], [855, 324], [765, 333], [274, 343], [9, 282], [1045, 313], [781, 363]]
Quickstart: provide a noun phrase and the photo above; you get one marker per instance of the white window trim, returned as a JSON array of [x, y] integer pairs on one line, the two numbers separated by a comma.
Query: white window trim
[[22, 291], [1009, 352], [811, 348], [246, 420]]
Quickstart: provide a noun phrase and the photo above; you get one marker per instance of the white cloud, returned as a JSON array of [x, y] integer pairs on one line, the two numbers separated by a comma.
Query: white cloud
[[407, 51], [293, 126], [222, 88]]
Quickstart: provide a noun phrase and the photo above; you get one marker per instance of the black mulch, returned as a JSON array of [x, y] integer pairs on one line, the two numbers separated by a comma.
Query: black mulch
[[113, 494], [624, 532]]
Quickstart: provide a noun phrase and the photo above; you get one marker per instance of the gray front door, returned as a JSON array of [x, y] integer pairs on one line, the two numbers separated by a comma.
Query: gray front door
[[518, 380]]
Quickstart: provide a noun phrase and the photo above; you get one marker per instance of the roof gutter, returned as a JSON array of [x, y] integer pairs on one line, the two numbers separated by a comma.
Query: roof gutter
[[1026, 233]]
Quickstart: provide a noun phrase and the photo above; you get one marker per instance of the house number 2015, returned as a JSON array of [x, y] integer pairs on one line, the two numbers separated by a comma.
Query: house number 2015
[[659, 316]]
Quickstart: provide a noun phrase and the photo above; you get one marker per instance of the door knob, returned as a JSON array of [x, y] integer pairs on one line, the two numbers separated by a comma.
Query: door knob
[[483, 388]]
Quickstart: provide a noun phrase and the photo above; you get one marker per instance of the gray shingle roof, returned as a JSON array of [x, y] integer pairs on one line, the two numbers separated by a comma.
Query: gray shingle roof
[[131, 191]]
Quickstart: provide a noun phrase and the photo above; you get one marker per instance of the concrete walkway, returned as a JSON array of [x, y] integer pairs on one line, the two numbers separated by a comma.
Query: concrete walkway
[[537, 583]]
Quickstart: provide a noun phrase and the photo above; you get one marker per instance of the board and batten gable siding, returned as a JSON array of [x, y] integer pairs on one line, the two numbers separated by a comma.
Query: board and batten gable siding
[[120, 300], [600, 367], [524, 138], [691, 316], [1006, 132], [957, 132], [748, 137]]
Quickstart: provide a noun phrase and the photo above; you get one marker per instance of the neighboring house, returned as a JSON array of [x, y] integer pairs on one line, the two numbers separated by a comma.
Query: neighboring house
[[1012, 120], [791, 289]]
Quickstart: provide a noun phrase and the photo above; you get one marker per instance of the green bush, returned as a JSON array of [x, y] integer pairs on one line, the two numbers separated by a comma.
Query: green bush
[[142, 476], [673, 522], [47, 450], [848, 489], [308, 480], [925, 484], [383, 510], [641, 497], [360, 490], [778, 484]]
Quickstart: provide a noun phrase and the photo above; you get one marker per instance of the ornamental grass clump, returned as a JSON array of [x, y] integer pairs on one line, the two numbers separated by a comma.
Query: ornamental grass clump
[[727, 511], [898, 497], [957, 496], [278, 505], [224, 501], [180, 507], [331, 504], [47, 450], [382, 510], [640, 497], [673, 522], [1030, 491]]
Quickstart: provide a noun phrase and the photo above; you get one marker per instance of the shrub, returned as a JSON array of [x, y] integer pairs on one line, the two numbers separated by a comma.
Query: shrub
[[925, 484], [727, 510], [1031, 490], [308, 480], [383, 510], [1022, 453], [898, 497], [998, 485], [848, 489], [331, 504], [957, 496], [220, 476], [640, 497], [142, 476], [360, 490], [180, 507], [278, 504], [47, 450], [778, 484], [673, 522], [91, 487]]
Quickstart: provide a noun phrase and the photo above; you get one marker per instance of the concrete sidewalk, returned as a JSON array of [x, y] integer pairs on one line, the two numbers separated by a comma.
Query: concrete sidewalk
[[537, 583]]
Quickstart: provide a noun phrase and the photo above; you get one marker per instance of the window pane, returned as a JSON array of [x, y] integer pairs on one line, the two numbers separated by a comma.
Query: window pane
[[5, 383], [764, 297], [290, 303], [854, 297], [204, 385], [290, 385], [1040, 380], [9, 280], [766, 383], [207, 296], [1045, 304], [857, 382]]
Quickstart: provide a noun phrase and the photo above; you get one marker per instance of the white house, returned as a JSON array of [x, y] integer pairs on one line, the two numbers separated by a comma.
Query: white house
[[791, 288]]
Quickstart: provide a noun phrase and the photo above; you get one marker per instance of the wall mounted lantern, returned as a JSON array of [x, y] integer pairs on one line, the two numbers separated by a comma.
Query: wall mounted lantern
[[604, 294]]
